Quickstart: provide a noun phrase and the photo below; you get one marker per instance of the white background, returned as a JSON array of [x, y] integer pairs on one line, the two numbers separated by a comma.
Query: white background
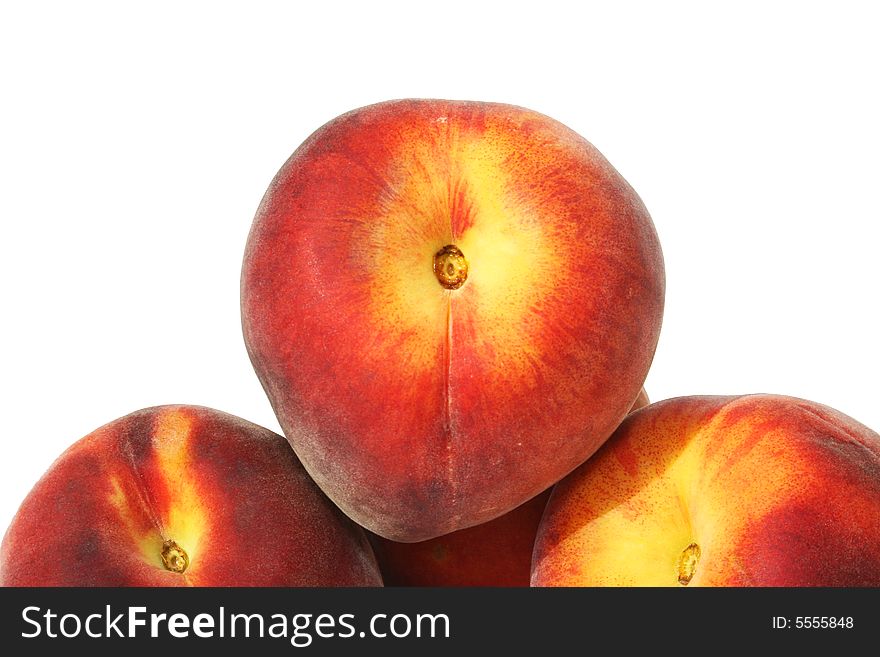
[[135, 145]]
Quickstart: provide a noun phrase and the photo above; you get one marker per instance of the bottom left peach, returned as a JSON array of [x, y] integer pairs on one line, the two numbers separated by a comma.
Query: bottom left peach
[[182, 496]]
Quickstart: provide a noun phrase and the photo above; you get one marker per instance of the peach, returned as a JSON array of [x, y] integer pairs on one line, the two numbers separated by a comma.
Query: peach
[[758, 490], [450, 305], [182, 496], [495, 553], [641, 401]]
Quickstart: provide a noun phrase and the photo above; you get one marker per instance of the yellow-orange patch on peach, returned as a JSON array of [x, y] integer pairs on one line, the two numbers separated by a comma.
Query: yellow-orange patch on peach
[[457, 178], [679, 496], [142, 530], [638, 542], [394, 245], [741, 449], [182, 515], [516, 266]]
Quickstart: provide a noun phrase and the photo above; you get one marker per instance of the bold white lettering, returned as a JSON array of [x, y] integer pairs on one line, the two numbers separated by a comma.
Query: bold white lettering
[[178, 626], [154, 623], [203, 626], [134, 621]]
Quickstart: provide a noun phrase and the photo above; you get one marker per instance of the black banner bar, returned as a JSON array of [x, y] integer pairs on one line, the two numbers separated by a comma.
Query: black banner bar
[[435, 621]]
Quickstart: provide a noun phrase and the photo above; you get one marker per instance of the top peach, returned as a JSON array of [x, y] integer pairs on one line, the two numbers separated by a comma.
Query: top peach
[[451, 305]]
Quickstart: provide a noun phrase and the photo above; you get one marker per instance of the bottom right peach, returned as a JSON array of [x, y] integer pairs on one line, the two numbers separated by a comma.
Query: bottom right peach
[[757, 490]]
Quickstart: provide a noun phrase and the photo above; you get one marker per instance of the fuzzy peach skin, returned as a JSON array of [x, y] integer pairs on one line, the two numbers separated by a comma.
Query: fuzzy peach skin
[[182, 496], [450, 305], [641, 401], [758, 490], [495, 553]]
